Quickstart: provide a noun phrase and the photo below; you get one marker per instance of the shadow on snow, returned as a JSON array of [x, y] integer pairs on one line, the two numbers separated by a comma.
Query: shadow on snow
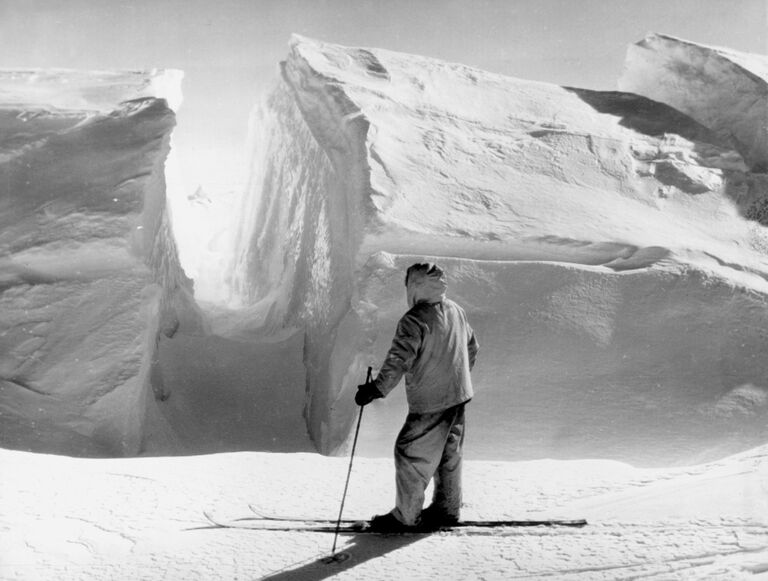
[[361, 548]]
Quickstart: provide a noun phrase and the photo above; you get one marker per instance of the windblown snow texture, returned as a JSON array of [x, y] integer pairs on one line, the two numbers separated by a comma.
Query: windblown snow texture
[[88, 270], [604, 244]]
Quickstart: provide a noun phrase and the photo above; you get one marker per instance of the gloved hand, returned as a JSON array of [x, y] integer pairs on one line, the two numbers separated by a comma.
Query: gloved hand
[[366, 393]]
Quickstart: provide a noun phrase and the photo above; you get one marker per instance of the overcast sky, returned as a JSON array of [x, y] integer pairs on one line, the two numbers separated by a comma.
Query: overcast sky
[[229, 49]]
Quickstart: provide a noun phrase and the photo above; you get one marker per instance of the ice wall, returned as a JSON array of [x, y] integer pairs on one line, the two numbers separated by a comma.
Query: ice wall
[[603, 243], [723, 89], [89, 278], [301, 224]]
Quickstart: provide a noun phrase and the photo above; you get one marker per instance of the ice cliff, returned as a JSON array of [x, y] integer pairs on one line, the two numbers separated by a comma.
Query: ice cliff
[[89, 279], [609, 248]]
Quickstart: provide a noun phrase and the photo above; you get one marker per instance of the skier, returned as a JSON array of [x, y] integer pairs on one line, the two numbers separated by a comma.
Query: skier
[[435, 348]]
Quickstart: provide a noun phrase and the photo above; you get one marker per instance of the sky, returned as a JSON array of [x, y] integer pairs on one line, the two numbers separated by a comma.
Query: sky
[[229, 49]]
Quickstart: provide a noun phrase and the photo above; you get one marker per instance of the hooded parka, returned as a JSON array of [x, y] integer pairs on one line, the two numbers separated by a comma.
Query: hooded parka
[[434, 346], [435, 349]]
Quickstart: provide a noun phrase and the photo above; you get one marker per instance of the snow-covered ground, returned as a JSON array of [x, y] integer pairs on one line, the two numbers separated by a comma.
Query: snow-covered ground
[[142, 519], [612, 254]]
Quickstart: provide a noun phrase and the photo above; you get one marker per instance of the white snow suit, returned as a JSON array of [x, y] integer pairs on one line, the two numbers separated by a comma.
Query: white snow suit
[[434, 348]]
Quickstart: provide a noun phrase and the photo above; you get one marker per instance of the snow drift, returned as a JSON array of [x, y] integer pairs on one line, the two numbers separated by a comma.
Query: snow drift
[[605, 245], [89, 278]]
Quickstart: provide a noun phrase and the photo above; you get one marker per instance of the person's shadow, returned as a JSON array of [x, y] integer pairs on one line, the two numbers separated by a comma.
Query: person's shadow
[[362, 547]]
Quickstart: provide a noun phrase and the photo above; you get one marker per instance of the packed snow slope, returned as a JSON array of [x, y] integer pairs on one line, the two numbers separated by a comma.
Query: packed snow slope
[[89, 279], [608, 248]]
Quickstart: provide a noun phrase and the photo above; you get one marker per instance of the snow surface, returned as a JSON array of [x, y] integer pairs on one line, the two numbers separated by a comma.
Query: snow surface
[[110, 520], [609, 250]]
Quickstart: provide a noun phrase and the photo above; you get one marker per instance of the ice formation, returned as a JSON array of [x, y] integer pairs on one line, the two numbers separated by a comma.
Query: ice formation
[[88, 268], [608, 249], [723, 89]]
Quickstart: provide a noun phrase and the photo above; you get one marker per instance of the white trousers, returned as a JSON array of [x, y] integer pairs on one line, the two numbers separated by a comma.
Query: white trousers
[[429, 446]]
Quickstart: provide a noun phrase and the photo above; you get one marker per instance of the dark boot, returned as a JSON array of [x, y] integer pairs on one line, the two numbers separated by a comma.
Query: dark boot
[[388, 523], [433, 517]]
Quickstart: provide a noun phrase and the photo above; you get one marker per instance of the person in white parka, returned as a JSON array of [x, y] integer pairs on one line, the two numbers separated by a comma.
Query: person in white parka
[[435, 349]]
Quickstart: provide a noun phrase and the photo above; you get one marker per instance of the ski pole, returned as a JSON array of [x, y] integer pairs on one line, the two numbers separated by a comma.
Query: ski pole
[[343, 556]]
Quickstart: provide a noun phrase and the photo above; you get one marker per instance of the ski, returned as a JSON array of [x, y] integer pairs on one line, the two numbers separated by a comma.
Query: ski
[[260, 524], [463, 524], [296, 519], [348, 526]]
